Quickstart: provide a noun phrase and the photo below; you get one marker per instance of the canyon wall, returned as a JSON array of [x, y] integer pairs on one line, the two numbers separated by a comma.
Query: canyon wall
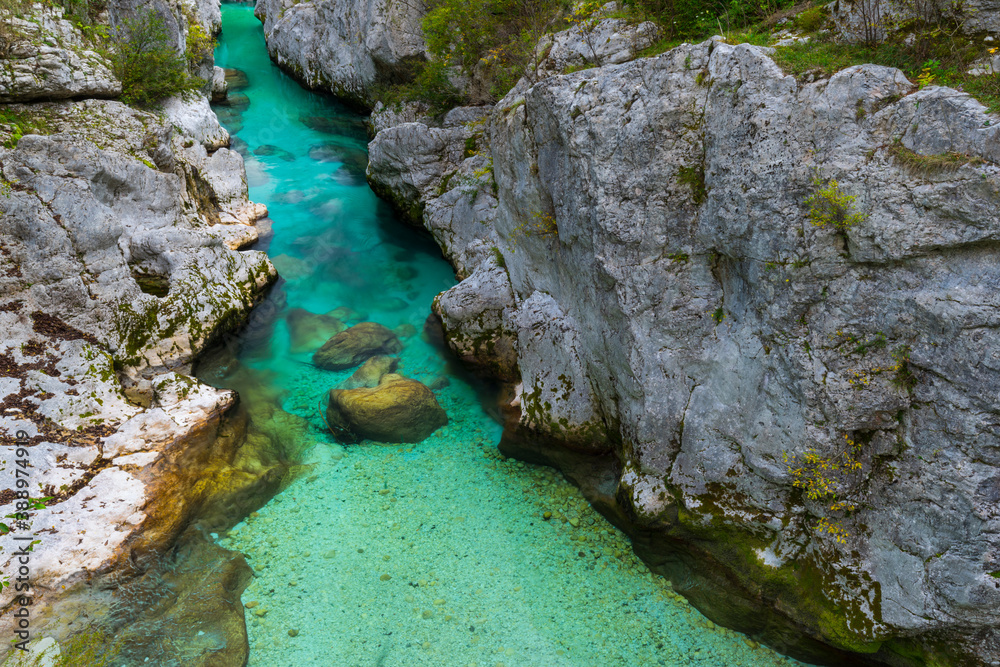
[[344, 47], [794, 422], [123, 256]]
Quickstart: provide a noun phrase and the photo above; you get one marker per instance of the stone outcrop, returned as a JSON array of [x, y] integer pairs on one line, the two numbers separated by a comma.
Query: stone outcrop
[[592, 43], [439, 176], [51, 60], [397, 409], [344, 47], [351, 347], [884, 17], [684, 343], [120, 263]]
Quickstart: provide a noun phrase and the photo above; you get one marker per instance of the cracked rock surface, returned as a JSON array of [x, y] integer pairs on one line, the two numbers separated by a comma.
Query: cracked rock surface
[[679, 337]]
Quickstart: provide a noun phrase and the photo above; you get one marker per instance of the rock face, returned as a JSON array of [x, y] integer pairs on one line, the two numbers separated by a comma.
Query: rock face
[[351, 347], [119, 265], [344, 47], [398, 409], [884, 16], [593, 43], [704, 361], [440, 176], [53, 61]]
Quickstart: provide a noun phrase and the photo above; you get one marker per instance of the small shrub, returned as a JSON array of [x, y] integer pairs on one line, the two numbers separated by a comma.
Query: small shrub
[[498, 256], [680, 257], [145, 62], [826, 480], [21, 124], [433, 86], [904, 377], [811, 19], [199, 44], [986, 89], [830, 206], [540, 224]]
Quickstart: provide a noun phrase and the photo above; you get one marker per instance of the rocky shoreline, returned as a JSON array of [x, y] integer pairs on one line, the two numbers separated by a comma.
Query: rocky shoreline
[[123, 236]]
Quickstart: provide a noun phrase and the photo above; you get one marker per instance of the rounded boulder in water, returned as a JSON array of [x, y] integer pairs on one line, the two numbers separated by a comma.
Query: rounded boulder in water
[[349, 348], [309, 331], [397, 410], [371, 372], [237, 102], [236, 79], [270, 150]]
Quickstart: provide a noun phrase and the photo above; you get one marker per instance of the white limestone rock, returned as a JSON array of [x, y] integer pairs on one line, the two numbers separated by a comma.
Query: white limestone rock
[[343, 47], [53, 60]]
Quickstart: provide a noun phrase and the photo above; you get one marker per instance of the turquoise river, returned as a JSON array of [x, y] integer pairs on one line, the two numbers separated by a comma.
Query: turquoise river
[[408, 555]]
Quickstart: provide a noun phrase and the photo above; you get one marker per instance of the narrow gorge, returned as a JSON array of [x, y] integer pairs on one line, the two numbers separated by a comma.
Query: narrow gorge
[[500, 334]]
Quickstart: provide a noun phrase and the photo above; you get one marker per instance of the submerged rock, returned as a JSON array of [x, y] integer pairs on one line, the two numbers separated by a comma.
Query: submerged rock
[[397, 410], [349, 348], [354, 160], [275, 151], [237, 101], [308, 331], [371, 372], [236, 79], [340, 125]]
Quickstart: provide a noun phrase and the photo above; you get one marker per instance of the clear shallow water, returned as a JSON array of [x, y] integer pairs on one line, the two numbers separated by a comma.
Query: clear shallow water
[[404, 555]]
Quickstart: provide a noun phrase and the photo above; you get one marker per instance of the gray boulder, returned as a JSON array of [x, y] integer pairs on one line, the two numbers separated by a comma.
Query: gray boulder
[[693, 351], [344, 47], [53, 60]]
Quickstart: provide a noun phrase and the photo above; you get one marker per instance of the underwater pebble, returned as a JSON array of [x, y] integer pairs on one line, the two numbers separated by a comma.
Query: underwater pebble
[[385, 577], [293, 633]]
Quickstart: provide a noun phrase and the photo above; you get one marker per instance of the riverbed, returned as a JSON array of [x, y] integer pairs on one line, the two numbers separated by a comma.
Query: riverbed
[[439, 553]]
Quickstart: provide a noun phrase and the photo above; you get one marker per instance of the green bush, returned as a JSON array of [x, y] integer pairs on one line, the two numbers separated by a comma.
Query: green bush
[[148, 66], [811, 19], [830, 206], [433, 86], [703, 18], [495, 39]]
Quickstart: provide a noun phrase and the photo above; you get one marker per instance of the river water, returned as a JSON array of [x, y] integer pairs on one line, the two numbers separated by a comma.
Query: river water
[[407, 555]]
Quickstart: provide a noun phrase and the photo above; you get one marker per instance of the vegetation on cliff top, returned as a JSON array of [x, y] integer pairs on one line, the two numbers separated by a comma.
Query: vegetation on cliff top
[[138, 48], [491, 43], [148, 66]]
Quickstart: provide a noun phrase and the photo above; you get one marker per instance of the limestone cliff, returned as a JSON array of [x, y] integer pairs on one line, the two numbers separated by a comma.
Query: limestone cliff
[[122, 237], [344, 47], [795, 422]]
